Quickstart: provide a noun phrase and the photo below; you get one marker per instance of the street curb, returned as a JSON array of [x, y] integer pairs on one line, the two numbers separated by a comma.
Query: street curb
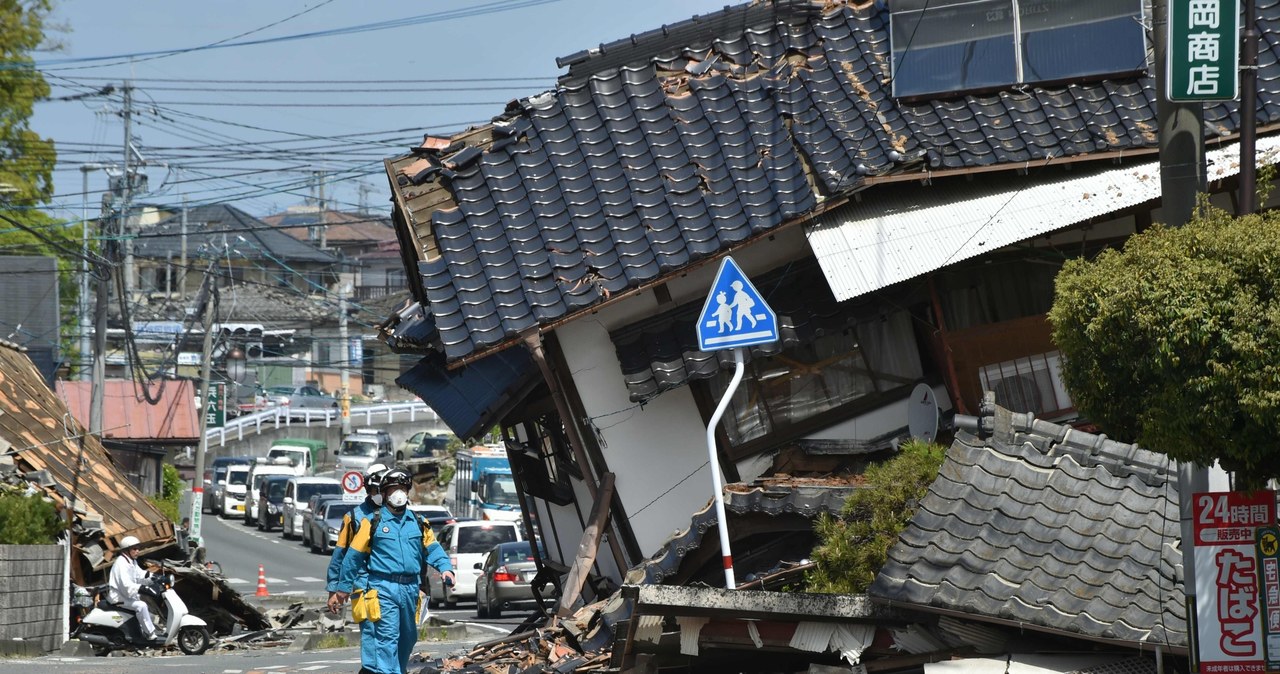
[[307, 641]]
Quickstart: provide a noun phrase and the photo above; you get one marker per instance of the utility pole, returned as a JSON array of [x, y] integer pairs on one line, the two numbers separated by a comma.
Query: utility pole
[[86, 321], [182, 264], [324, 228], [127, 192], [1249, 111], [344, 375], [100, 336], [1181, 135], [210, 297]]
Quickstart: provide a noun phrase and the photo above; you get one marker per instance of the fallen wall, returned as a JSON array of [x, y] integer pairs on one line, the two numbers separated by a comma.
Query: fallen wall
[[33, 600]]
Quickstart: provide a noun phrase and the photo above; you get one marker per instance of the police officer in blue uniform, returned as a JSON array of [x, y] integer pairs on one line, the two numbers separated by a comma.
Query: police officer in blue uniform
[[393, 547], [350, 522]]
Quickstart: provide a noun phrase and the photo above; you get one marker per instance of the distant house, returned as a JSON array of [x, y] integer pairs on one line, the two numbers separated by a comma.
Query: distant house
[[904, 212], [279, 303], [141, 437], [29, 316]]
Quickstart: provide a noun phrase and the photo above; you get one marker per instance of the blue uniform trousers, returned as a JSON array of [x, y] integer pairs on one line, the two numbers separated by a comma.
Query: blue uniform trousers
[[396, 632]]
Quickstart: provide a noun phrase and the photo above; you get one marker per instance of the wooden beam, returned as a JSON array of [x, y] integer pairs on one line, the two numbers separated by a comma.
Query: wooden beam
[[587, 548]]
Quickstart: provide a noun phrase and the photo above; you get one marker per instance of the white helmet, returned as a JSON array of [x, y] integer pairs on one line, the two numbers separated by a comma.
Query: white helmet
[[374, 469], [129, 542]]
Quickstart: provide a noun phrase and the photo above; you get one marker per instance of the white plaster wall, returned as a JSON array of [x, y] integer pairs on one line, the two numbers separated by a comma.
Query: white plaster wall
[[658, 451]]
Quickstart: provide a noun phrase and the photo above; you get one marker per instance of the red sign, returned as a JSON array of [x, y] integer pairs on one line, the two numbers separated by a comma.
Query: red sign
[[1228, 610], [352, 482]]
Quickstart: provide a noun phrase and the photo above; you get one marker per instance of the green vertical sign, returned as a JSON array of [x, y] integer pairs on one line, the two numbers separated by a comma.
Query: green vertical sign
[[1269, 591], [1203, 54], [215, 409]]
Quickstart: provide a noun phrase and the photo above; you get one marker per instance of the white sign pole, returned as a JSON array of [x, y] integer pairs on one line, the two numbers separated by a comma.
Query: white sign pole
[[717, 487]]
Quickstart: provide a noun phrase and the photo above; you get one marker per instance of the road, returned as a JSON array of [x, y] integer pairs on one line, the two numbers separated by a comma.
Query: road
[[290, 568]]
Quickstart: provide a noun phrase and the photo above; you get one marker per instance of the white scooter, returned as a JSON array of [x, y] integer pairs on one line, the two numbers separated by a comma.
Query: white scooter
[[110, 627]]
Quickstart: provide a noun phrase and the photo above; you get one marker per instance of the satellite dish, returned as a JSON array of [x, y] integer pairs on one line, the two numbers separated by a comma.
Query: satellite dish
[[922, 413]]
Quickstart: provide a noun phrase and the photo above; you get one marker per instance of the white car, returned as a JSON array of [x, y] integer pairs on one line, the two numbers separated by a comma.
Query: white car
[[467, 543], [259, 470], [233, 492], [297, 498]]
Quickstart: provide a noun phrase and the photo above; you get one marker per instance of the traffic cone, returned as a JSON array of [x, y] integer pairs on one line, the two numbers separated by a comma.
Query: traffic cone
[[262, 583]]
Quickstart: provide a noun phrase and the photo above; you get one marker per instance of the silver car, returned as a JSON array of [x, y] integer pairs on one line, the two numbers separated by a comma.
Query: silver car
[[322, 526], [300, 397]]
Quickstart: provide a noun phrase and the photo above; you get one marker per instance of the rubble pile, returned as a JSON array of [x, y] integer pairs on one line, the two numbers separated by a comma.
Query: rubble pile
[[212, 599], [580, 643]]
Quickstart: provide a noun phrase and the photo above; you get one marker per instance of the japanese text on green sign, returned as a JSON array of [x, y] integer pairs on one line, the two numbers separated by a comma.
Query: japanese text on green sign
[[1204, 50]]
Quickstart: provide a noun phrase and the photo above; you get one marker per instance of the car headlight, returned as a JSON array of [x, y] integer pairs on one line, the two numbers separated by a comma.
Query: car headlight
[[333, 531], [271, 508]]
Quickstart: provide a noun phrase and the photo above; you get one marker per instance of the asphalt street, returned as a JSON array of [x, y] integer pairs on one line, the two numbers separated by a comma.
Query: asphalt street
[[290, 568]]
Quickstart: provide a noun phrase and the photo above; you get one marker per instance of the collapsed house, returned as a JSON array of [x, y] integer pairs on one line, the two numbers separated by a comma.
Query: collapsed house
[[51, 450], [904, 215]]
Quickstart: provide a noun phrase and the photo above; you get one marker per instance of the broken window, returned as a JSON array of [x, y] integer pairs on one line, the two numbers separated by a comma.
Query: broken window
[[821, 375]]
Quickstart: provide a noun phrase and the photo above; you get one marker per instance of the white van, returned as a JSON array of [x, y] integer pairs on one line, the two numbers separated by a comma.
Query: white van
[[233, 491], [297, 498], [467, 543], [258, 470]]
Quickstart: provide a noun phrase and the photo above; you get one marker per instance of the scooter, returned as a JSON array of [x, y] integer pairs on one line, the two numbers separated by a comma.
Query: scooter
[[110, 627]]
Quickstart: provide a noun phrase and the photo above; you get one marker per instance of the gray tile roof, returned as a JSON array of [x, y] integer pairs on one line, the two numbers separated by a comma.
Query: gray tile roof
[[1047, 526], [673, 146], [209, 226]]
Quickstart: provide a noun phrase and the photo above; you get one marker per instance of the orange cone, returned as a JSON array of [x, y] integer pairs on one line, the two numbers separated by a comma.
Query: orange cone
[[262, 583]]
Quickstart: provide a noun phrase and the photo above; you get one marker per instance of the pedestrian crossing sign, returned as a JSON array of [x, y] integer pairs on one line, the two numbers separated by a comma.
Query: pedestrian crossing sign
[[735, 314]]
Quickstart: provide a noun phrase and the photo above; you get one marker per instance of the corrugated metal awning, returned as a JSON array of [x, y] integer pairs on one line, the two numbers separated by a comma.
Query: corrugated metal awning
[[877, 242]]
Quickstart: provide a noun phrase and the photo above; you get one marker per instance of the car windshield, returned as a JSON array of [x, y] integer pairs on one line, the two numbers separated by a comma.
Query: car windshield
[[219, 474], [483, 538], [307, 490], [290, 454], [337, 510], [358, 448], [237, 477], [281, 390], [275, 489], [504, 491]]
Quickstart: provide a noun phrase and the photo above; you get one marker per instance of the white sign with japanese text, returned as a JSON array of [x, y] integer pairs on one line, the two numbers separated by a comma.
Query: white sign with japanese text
[[1228, 608]]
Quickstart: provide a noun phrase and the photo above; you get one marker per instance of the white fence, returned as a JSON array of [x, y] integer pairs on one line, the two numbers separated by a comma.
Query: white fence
[[284, 417]]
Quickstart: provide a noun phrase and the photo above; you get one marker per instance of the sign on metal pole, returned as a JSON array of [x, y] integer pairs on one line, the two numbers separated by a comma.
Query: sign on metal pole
[[1269, 557], [215, 408], [1229, 630], [1202, 60], [352, 485], [735, 315]]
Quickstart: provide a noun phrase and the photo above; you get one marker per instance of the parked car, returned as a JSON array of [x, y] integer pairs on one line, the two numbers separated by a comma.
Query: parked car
[[297, 494], [360, 450], [232, 491], [300, 397], [437, 516], [322, 525], [506, 576], [423, 444], [467, 543], [259, 470], [271, 501], [214, 475]]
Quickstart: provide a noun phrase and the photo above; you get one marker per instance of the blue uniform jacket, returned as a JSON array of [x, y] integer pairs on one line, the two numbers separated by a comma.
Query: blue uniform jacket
[[400, 545], [350, 522]]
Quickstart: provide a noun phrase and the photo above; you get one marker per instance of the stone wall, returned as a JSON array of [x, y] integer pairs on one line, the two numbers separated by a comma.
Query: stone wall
[[33, 593]]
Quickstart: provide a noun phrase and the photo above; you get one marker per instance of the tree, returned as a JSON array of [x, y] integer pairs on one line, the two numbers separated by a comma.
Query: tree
[[1174, 341], [854, 546], [26, 159]]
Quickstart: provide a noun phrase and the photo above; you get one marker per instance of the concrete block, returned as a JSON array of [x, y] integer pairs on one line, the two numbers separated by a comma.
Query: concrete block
[[309, 641]]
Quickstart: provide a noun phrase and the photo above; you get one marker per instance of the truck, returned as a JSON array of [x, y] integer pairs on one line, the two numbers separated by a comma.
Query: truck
[[302, 455], [483, 486]]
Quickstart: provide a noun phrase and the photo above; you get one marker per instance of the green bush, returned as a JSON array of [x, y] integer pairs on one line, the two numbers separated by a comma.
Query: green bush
[[28, 520], [171, 487], [855, 545]]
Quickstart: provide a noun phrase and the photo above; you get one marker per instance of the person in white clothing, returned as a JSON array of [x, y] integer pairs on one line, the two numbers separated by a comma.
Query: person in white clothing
[[126, 578]]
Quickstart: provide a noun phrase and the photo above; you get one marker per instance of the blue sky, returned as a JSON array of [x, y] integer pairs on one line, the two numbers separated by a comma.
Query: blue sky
[[371, 94]]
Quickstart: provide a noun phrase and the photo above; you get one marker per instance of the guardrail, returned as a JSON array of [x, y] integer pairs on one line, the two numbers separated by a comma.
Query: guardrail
[[276, 417]]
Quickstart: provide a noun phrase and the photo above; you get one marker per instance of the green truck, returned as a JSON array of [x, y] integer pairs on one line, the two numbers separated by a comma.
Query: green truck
[[303, 455]]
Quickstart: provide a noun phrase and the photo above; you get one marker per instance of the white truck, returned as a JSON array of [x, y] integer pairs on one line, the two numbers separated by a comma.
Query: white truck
[[302, 455]]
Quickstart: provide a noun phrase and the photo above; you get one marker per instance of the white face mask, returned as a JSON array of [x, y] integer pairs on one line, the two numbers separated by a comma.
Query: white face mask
[[377, 499], [398, 499]]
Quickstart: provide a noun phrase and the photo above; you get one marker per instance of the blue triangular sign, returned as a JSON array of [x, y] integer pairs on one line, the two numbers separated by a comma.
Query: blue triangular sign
[[735, 314]]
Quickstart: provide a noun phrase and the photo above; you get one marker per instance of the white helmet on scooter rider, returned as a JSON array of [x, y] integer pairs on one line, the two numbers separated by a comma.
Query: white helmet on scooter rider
[[129, 542]]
